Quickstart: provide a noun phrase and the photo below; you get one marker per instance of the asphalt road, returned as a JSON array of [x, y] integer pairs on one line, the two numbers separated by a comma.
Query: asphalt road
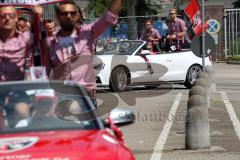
[[159, 129], [227, 76]]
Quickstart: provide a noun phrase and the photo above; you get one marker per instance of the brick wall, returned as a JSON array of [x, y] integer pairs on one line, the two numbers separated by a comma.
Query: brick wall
[[217, 12]]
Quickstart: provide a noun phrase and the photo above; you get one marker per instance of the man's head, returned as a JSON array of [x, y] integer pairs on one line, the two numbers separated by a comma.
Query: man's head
[[8, 18], [173, 14], [67, 15], [22, 110], [50, 26], [148, 24], [22, 24]]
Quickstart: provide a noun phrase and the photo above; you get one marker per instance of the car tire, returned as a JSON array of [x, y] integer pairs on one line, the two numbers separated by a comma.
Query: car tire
[[119, 80], [192, 75]]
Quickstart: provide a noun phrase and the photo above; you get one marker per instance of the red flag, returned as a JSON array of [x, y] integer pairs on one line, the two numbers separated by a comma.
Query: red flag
[[191, 9], [193, 12], [198, 28]]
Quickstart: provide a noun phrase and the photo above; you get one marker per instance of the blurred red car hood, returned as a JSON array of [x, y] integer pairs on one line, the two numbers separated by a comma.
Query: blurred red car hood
[[61, 145]]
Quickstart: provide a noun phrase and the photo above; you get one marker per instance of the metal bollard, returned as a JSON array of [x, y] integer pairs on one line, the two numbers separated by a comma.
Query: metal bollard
[[203, 83], [197, 90], [210, 73], [196, 100], [197, 130], [202, 75]]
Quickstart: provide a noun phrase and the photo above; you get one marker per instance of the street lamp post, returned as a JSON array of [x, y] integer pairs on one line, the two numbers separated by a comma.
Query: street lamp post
[[203, 37]]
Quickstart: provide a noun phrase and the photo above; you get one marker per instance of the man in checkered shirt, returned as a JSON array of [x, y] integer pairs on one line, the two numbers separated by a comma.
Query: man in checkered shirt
[[14, 45]]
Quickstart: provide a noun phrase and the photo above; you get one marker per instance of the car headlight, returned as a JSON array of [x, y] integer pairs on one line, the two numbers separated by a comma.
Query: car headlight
[[99, 66]]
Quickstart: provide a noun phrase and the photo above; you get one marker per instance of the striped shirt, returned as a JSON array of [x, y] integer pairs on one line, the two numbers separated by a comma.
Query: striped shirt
[[73, 61], [12, 56]]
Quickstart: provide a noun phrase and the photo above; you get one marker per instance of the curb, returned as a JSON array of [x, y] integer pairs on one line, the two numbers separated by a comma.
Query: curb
[[233, 62]]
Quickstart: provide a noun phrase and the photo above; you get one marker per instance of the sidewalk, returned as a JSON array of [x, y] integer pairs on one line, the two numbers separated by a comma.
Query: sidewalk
[[225, 143]]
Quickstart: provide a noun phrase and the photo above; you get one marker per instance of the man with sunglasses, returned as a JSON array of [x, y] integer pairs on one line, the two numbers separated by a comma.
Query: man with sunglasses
[[151, 36], [14, 45], [70, 53], [177, 29]]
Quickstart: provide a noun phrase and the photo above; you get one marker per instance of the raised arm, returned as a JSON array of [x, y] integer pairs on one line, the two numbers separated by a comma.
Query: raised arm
[[115, 6], [109, 18]]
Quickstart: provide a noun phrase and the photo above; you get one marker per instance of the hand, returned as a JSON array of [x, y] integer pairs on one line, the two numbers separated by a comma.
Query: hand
[[173, 37], [150, 39], [37, 10], [115, 6]]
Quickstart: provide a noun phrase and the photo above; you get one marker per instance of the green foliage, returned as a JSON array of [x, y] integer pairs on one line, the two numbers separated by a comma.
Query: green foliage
[[236, 4], [96, 7], [234, 58], [143, 7], [182, 1], [235, 48]]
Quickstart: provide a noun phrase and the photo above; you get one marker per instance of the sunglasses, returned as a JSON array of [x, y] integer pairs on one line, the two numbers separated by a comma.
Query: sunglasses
[[11, 15], [65, 14], [172, 13]]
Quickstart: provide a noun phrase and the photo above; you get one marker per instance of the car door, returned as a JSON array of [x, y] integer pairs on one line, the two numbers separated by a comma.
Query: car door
[[182, 60], [162, 65], [138, 68]]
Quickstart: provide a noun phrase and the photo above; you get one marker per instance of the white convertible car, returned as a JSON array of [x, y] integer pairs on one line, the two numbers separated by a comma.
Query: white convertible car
[[126, 63]]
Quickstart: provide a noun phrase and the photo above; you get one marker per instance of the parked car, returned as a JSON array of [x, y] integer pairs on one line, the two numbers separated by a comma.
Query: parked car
[[42, 120], [127, 63]]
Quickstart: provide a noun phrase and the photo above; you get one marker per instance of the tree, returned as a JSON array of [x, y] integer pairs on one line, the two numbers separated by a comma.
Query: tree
[[96, 8], [236, 4], [129, 8], [143, 7], [147, 7]]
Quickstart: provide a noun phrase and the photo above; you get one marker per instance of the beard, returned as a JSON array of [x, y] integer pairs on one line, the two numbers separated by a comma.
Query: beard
[[67, 26]]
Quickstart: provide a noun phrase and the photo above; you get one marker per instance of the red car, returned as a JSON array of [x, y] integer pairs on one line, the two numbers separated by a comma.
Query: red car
[[54, 121]]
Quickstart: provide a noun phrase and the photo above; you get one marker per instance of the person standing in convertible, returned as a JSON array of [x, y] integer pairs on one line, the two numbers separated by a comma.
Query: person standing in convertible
[[77, 41]]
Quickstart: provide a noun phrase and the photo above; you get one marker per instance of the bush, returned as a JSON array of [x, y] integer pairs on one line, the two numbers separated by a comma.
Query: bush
[[233, 58]]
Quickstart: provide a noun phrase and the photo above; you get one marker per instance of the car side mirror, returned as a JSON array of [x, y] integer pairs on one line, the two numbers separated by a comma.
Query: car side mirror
[[121, 116], [145, 52]]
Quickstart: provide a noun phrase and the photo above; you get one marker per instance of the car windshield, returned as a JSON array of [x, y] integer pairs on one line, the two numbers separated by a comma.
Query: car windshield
[[120, 48], [42, 106]]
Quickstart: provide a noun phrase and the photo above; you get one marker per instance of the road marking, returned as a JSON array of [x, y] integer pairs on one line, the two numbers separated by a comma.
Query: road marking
[[232, 114], [157, 153]]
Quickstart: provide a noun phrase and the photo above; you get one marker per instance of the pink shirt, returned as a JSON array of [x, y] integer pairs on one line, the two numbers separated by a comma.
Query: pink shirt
[[154, 34], [12, 56], [177, 26], [81, 69]]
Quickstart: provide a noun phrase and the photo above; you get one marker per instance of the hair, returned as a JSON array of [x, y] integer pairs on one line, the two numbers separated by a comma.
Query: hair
[[49, 21], [64, 3], [22, 19], [6, 6], [149, 20], [173, 9]]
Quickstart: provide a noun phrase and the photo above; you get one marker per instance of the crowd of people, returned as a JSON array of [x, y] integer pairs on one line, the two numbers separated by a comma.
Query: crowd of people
[[74, 39]]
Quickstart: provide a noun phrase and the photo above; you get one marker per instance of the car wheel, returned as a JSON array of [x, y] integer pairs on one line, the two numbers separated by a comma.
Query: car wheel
[[119, 80], [192, 75]]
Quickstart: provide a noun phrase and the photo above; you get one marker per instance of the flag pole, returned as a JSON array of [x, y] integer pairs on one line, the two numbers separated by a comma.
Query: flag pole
[[203, 37]]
